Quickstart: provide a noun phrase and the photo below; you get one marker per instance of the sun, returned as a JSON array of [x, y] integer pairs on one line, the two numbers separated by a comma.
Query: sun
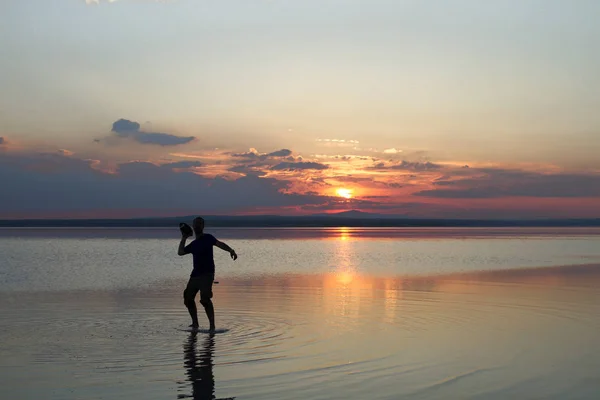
[[345, 193]]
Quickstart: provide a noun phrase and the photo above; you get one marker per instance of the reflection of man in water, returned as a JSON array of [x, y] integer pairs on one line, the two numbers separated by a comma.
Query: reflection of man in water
[[200, 375], [203, 274], [199, 369]]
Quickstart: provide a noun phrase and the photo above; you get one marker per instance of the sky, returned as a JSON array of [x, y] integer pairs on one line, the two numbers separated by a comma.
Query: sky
[[454, 109]]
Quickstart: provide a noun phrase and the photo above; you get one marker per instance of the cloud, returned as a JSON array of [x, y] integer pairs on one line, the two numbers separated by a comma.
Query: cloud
[[182, 164], [41, 164], [130, 129], [408, 165], [392, 151], [346, 157], [496, 183], [342, 141], [2, 141], [65, 152], [280, 153], [255, 163], [296, 166], [350, 178], [70, 185], [253, 154], [248, 169]]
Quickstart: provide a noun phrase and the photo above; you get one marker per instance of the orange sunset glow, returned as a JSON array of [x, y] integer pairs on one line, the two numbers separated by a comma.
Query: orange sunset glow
[[345, 193]]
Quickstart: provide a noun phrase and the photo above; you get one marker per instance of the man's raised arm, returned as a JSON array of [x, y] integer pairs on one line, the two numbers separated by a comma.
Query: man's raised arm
[[224, 246], [181, 251]]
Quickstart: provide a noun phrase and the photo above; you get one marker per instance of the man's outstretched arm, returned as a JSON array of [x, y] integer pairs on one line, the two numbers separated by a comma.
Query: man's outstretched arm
[[224, 246]]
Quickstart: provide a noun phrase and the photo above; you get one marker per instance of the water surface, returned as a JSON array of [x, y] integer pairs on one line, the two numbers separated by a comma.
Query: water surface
[[340, 314]]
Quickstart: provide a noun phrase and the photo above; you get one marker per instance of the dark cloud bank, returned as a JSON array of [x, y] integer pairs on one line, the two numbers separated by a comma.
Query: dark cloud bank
[[183, 164], [494, 183], [298, 166], [56, 183], [43, 184]]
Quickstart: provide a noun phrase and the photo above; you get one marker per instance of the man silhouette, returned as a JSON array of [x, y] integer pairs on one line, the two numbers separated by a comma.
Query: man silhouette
[[203, 273]]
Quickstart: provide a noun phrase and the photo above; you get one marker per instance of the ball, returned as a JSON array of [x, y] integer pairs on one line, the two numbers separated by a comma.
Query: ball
[[186, 229]]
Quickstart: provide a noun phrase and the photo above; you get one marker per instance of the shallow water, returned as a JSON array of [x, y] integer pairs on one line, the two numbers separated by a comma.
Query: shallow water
[[62, 259], [336, 316]]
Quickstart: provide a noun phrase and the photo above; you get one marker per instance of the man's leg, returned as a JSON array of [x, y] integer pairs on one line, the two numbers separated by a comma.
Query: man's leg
[[210, 312], [205, 299], [189, 294]]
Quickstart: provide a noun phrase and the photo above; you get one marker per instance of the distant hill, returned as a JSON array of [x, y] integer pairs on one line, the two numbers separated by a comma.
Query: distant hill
[[356, 214], [351, 218]]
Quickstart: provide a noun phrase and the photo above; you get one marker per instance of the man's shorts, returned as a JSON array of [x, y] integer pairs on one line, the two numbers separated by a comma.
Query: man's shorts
[[201, 283]]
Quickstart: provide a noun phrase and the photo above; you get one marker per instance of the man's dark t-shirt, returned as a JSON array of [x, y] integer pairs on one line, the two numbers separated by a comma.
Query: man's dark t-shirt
[[202, 250]]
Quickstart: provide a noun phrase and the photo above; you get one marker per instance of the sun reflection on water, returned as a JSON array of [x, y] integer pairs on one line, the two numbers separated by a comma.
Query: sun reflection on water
[[344, 233], [345, 277]]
